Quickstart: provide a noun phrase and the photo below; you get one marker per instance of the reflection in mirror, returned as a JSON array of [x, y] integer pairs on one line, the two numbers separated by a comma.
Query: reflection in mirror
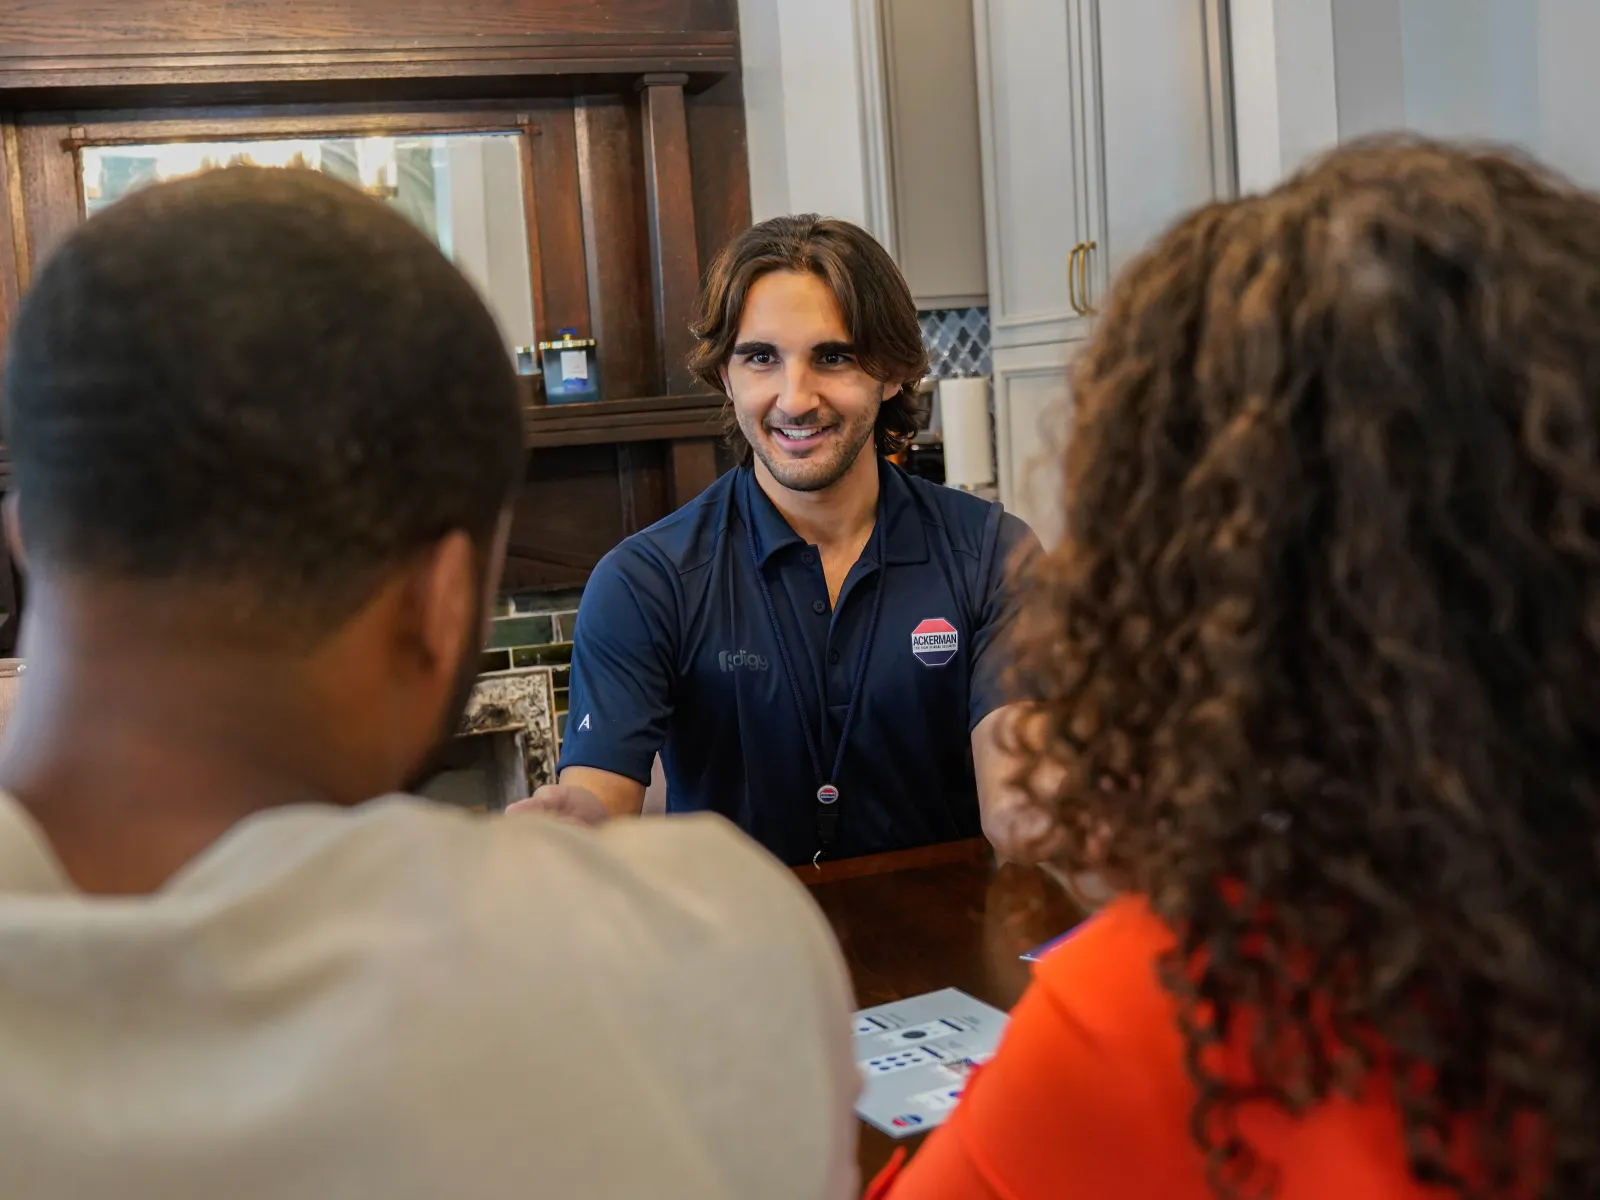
[[463, 190]]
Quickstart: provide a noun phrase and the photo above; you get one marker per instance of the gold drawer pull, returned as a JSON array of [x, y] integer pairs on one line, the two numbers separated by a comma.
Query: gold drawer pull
[[1072, 278], [1082, 288]]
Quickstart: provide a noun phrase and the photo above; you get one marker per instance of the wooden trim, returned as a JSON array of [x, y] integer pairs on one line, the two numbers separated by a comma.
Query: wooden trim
[[162, 66], [56, 139], [13, 232], [11, 149], [561, 288], [530, 214], [234, 124], [627, 493], [549, 426], [718, 151], [694, 468], [657, 419], [971, 850], [606, 410], [52, 195], [644, 429], [546, 556], [674, 242], [616, 246]]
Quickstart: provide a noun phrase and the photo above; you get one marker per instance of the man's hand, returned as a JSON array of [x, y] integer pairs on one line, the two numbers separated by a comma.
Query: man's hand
[[585, 796], [1020, 830], [566, 801]]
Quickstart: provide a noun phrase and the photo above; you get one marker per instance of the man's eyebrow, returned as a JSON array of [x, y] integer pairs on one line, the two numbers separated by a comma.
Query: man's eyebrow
[[744, 348], [834, 348]]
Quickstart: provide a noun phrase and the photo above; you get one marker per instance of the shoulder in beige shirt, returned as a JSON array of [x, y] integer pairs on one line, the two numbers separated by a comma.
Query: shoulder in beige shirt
[[403, 1000]]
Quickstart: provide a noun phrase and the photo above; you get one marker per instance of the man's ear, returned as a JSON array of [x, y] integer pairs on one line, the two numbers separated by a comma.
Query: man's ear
[[443, 600], [727, 389], [497, 561], [12, 516]]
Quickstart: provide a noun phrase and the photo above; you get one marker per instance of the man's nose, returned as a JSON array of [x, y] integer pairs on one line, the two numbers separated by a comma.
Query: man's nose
[[799, 397]]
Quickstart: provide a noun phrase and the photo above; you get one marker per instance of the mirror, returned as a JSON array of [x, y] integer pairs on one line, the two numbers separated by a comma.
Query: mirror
[[464, 190]]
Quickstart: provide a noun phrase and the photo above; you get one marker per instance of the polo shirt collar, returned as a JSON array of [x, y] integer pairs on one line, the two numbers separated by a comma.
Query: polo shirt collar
[[907, 534], [906, 537]]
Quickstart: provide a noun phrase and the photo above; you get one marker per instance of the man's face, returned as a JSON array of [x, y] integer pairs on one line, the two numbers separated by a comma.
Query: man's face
[[802, 401]]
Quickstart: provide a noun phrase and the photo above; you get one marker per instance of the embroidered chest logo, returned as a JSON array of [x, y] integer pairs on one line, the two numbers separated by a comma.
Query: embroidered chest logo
[[742, 660], [935, 642]]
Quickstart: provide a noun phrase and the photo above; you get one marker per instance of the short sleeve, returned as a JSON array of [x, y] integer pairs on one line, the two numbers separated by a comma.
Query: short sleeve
[[624, 665], [1009, 548], [1087, 1095]]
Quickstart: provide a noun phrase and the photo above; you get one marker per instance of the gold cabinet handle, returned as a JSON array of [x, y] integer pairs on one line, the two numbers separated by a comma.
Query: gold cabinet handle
[[1088, 309], [1072, 278]]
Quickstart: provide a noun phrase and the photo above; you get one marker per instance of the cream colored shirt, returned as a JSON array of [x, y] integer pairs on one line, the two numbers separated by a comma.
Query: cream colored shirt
[[403, 1000]]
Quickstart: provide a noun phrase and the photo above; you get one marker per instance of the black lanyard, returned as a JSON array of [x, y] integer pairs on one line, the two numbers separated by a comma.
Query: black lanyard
[[827, 785]]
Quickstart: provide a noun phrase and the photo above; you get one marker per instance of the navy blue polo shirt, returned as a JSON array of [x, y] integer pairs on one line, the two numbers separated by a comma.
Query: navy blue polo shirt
[[674, 652]]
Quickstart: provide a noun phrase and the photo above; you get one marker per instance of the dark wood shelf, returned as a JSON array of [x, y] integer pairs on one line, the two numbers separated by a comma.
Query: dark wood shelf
[[549, 426], [48, 76], [648, 419]]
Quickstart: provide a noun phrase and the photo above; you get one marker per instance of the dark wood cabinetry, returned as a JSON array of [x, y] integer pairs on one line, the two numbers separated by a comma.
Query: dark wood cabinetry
[[631, 122]]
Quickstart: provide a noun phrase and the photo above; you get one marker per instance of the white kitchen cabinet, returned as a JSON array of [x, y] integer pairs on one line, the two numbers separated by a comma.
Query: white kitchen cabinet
[[936, 190], [1101, 122], [1036, 140], [1167, 133], [1032, 407]]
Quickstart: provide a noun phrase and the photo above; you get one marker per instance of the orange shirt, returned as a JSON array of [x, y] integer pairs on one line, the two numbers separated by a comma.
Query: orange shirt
[[1088, 1097]]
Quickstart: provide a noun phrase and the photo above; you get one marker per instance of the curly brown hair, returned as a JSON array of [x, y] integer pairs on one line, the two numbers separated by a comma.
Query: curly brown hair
[[1319, 657], [873, 297]]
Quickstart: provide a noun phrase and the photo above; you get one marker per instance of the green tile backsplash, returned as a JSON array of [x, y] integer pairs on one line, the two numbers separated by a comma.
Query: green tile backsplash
[[507, 633], [536, 630]]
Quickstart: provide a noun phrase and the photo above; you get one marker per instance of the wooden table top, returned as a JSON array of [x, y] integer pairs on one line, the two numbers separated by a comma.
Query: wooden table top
[[936, 917]]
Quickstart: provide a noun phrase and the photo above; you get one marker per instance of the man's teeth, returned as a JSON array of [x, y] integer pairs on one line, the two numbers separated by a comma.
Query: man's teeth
[[800, 435]]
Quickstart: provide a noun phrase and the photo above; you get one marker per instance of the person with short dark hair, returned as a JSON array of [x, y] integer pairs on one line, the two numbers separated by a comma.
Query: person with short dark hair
[[809, 644], [1318, 665], [264, 440]]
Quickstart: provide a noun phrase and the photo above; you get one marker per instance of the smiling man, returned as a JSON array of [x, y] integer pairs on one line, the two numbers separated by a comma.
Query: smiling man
[[811, 643]]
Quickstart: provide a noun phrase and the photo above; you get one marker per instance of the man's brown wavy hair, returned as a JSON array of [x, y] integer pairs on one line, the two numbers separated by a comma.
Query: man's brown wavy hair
[[879, 313], [1320, 653]]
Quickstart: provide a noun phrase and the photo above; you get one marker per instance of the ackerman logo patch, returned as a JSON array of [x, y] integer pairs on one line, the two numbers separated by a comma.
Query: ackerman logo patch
[[935, 642]]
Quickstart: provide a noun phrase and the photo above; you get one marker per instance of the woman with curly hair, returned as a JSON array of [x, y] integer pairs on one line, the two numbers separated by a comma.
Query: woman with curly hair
[[1319, 664]]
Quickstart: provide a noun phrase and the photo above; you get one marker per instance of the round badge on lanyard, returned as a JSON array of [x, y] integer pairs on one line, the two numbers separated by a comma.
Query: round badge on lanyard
[[827, 794]]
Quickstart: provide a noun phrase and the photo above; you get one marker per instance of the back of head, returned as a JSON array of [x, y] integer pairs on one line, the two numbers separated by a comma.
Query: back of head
[[873, 296], [1321, 651], [260, 383]]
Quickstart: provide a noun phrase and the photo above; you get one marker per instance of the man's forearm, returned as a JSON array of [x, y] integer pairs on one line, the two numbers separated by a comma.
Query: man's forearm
[[1019, 828], [621, 796]]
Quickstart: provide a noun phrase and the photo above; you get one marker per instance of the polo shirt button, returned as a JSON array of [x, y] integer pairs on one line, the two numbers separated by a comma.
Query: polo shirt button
[[809, 559], [819, 607], [833, 658]]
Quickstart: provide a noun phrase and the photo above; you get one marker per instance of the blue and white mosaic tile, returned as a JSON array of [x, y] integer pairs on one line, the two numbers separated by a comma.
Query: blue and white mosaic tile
[[958, 342]]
